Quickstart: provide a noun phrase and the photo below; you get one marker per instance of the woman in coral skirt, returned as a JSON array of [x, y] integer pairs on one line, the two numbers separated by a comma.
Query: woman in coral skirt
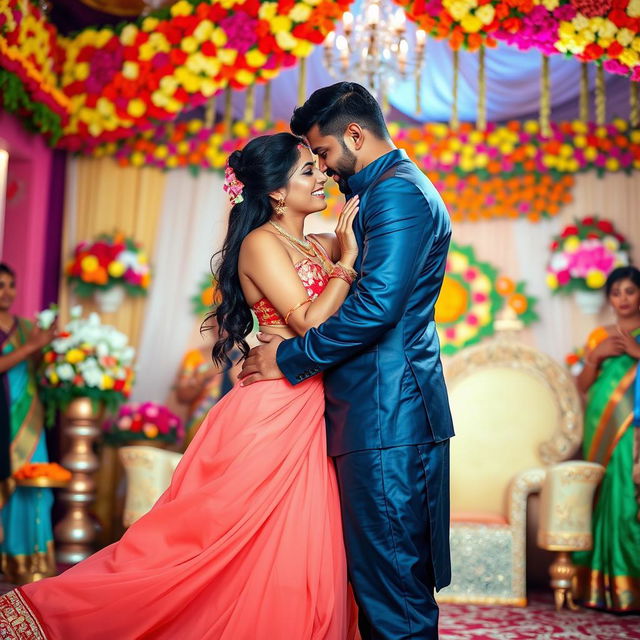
[[246, 543]]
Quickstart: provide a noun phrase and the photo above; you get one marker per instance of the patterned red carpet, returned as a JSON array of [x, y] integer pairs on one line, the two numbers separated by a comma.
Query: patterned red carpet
[[538, 621]]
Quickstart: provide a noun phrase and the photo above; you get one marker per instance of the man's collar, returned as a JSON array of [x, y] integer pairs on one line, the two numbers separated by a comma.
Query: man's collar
[[358, 182]]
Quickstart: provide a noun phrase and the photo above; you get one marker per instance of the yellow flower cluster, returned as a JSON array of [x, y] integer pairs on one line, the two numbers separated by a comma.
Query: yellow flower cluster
[[575, 35]]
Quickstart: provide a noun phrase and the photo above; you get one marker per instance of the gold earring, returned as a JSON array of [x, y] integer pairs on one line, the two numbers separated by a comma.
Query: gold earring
[[279, 207]]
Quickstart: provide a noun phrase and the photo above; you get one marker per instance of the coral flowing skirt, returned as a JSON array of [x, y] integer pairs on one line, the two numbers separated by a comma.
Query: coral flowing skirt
[[245, 544]]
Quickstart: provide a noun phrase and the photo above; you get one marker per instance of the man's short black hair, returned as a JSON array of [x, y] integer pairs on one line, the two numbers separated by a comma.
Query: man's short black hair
[[333, 108]]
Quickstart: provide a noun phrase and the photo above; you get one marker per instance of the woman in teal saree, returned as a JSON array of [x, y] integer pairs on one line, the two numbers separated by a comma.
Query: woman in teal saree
[[609, 574], [26, 550]]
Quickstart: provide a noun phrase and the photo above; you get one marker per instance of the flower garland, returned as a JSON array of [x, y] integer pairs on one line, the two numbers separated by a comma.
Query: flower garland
[[513, 149], [471, 296], [117, 79], [29, 55], [126, 77], [505, 171], [106, 262], [584, 254], [86, 359], [606, 31]]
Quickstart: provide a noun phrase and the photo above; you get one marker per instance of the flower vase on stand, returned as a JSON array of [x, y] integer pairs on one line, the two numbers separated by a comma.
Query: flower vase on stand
[[589, 302], [109, 300]]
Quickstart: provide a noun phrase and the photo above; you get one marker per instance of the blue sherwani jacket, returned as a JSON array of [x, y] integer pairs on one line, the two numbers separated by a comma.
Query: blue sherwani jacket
[[380, 351]]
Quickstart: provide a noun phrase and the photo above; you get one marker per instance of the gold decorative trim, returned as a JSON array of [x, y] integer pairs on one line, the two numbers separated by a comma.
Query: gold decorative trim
[[565, 541], [17, 621], [521, 487], [503, 352], [24, 568], [514, 602], [591, 474]]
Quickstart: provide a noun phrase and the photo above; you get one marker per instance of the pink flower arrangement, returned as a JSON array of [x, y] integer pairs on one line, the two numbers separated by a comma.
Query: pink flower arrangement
[[584, 254], [144, 421]]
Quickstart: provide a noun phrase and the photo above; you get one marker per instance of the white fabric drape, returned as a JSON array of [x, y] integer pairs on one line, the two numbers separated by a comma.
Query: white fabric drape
[[192, 226]]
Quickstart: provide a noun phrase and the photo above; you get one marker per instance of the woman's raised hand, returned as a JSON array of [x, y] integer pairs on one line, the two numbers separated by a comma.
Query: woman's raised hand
[[628, 344], [344, 232], [39, 338], [608, 348]]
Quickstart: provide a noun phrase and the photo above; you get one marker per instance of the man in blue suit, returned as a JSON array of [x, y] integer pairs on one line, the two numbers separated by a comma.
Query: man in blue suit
[[388, 417]]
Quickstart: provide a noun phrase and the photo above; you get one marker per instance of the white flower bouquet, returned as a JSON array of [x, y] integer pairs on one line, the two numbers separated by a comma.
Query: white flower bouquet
[[86, 359]]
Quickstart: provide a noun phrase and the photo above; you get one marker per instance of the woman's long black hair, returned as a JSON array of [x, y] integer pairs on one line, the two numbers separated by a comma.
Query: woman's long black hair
[[263, 166]]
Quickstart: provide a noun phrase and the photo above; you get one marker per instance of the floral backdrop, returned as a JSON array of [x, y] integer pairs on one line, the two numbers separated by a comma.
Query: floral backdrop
[[105, 84], [507, 171]]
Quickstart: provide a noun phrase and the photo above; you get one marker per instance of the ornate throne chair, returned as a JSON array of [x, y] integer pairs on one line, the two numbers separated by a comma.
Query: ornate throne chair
[[148, 472], [515, 411]]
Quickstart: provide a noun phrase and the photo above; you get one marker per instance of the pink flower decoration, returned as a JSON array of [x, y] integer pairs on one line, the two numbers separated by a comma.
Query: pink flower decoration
[[124, 423], [241, 30], [232, 186], [470, 274], [563, 277], [613, 66], [450, 333], [472, 319], [479, 297]]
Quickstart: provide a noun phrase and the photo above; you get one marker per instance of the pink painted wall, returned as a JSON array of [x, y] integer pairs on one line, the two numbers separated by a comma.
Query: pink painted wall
[[25, 219]]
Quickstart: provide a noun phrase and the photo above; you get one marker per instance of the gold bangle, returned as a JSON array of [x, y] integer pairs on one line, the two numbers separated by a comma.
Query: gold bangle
[[286, 318], [352, 272]]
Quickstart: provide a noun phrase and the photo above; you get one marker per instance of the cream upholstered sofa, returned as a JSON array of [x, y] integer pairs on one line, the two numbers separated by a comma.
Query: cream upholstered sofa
[[148, 471], [515, 412]]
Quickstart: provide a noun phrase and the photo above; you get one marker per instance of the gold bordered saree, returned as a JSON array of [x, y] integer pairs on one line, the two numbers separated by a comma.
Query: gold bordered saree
[[609, 574]]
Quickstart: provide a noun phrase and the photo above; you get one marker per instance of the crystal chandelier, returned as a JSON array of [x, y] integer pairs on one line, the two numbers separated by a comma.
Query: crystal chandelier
[[372, 48]]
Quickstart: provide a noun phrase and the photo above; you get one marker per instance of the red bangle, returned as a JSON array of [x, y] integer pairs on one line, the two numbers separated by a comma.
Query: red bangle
[[342, 272]]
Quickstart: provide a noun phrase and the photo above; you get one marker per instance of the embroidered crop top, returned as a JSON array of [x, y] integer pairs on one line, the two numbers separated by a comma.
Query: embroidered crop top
[[314, 278]]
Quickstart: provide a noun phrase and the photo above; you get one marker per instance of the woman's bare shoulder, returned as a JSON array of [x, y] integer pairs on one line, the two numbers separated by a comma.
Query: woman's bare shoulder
[[259, 239]]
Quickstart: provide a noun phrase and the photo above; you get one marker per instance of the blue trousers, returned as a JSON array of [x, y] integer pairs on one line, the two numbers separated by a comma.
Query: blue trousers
[[395, 512]]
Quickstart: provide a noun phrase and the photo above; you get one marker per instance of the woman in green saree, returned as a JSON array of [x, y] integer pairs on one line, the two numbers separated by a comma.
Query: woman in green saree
[[26, 550], [609, 574]]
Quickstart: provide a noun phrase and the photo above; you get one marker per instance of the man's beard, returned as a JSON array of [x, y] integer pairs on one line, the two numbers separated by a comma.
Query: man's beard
[[346, 167]]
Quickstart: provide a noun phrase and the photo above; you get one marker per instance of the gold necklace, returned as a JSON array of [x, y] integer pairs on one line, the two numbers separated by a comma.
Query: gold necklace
[[304, 244], [307, 247]]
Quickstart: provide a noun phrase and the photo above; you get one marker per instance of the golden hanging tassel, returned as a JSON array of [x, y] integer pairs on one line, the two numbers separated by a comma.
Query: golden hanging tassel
[[302, 81], [601, 97], [545, 98], [228, 112], [482, 91], [633, 104], [250, 103], [455, 121], [584, 92], [210, 112], [266, 110]]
